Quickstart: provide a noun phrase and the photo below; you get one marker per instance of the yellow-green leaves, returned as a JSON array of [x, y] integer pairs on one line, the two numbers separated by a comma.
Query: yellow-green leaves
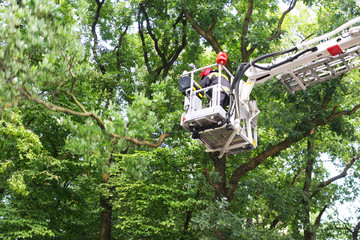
[[149, 115], [16, 183], [36, 45]]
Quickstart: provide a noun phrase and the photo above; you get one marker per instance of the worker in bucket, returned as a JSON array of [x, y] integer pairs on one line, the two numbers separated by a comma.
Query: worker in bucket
[[210, 77]]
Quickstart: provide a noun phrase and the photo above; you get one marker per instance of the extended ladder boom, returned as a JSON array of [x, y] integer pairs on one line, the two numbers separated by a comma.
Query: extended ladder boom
[[314, 64]]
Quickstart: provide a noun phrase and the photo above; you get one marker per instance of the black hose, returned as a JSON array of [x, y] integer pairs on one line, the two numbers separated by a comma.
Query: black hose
[[245, 66], [290, 59], [273, 54]]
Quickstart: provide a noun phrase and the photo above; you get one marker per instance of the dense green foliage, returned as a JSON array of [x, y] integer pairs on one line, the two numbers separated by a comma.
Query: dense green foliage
[[90, 142]]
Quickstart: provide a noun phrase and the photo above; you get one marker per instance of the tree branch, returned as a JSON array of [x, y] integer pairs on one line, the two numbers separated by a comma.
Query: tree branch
[[346, 226], [244, 52], [152, 35], [212, 25], [310, 160], [76, 101], [167, 62], [343, 113], [318, 218], [70, 64], [142, 37], [296, 176], [211, 182], [26, 93], [172, 58], [208, 35], [287, 142], [118, 47], [93, 30], [194, 24], [337, 177], [278, 30], [140, 142]]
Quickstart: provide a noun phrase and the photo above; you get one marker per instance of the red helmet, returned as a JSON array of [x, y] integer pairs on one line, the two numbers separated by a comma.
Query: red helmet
[[205, 72]]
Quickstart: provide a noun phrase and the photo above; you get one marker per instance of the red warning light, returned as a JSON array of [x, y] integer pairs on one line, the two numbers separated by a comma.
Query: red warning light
[[335, 50], [221, 58]]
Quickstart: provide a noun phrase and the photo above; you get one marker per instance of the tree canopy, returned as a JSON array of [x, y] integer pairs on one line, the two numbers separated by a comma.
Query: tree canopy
[[90, 141]]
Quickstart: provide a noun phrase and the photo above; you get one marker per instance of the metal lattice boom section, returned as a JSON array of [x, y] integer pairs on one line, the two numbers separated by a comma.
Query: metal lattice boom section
[[320, 70]]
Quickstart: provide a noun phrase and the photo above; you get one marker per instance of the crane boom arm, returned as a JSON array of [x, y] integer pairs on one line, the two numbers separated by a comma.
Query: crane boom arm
[[312, 65]]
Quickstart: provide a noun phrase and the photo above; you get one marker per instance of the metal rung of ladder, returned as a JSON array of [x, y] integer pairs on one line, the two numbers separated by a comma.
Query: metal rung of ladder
[[320, 70]]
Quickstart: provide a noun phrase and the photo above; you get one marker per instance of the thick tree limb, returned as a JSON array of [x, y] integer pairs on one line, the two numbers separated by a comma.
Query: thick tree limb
[[256, 161], [26, 93], [318, 218], [208, 35], [167, 61], [287, 142], [152, 35], [244, 52], [342, 113], [205, 34], [93, 30], [337, 177], [194, 24], [278, 30], [356, 232], [211, 182], [172, 58], [143, 43]]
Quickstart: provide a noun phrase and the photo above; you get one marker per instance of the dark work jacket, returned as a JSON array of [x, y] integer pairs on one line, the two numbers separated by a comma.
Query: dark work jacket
[[213, 79]]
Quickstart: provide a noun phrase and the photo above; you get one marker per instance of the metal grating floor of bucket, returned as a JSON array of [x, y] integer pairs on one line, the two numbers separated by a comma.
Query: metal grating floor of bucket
[[215, 140]]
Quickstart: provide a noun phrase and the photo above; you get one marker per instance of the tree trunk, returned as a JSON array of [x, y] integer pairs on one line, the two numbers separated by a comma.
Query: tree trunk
[[106, 210], [308, 233], [356, 232], [186, 224], [221, 189]]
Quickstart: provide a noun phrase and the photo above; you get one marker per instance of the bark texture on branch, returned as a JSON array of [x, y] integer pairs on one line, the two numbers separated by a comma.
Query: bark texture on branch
[[53, 107], [167, 60], [287, 142], [96, 40]]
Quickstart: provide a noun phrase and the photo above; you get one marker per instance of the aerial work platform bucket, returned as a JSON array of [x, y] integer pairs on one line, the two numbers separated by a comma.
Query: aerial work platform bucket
[[226, 131]]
